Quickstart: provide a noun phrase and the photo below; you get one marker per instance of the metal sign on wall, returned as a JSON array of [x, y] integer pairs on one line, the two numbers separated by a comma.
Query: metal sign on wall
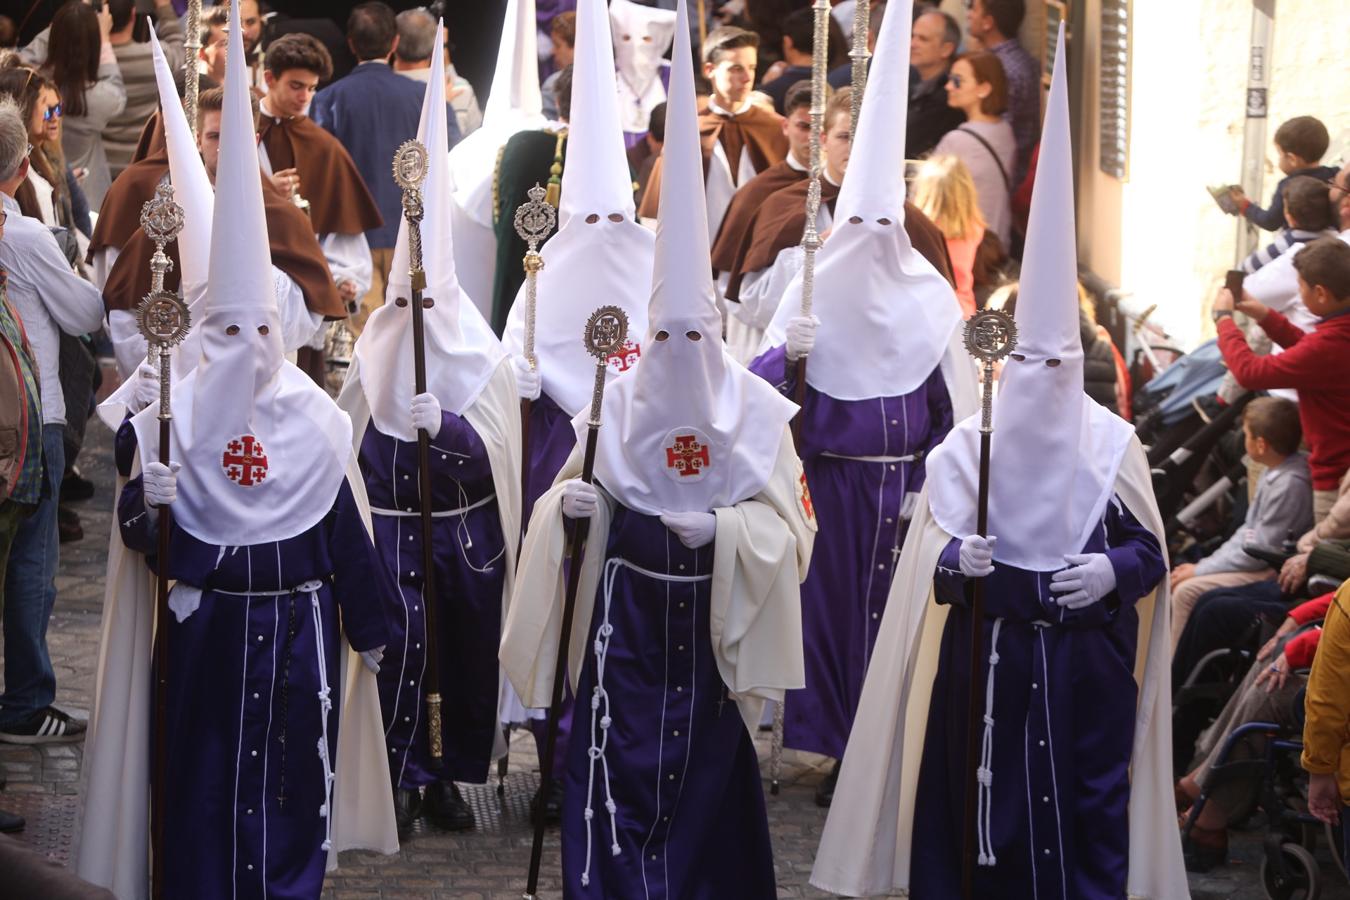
[[1114, 81]]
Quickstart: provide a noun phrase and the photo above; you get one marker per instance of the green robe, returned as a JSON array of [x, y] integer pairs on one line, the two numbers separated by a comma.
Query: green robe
[[524, 162]]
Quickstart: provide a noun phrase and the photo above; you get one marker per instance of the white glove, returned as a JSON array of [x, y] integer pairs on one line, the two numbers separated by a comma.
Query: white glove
[[801, 336], [977, 555], [528, 382], [694, 529], [372, 658], [426, 414], [160, 484], [579, 499], [1090, 579], [147, 385]]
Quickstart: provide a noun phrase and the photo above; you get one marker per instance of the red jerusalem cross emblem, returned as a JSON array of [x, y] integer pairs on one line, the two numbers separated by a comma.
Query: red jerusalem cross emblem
[[688, 457], [807, 506], [245, 461], [625, 357]]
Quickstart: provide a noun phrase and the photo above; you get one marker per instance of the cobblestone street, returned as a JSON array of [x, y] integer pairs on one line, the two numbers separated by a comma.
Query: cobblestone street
[[489, 862]]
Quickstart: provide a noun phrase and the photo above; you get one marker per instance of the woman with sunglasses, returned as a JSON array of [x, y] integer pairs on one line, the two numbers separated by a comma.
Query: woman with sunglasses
[[51, 192], [985, 143], [78, 57]]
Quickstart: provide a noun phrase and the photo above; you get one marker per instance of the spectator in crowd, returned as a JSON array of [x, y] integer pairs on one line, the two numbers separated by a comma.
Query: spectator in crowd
[[412, 59], [945, 192], [79, 58], [1281, 508], [50, 192], [1326, 747], [933, 44], [985, 143], [798, 49], [563, 32], [138, 75], [213, 38], [1268, 693], [841, 76], [20, 403], [994, 25], [1307, 216], [1300, 143], [50, 299], [1316, 364]]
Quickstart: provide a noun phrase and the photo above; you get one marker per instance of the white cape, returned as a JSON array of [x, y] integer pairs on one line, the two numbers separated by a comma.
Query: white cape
[[865, 848], [112, 833], [762, 550]]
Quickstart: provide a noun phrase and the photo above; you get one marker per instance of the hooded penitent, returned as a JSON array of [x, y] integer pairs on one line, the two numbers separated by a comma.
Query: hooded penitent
[[886, 315], [251, 431], [1047, 432], [600, 254], [690, 429], [642, 35], [461, 351]]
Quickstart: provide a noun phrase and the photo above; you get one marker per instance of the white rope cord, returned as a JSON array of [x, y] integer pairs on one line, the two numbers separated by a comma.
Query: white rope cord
[[325, 706], [985, 772]]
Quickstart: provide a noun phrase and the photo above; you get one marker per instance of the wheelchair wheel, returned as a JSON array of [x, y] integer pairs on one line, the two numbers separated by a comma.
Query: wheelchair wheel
[[1302, 881]]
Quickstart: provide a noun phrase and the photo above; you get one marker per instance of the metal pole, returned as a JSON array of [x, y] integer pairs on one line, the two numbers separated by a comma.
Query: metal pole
[[191, 47], [861, 56], [533, 222], [1254, 130]]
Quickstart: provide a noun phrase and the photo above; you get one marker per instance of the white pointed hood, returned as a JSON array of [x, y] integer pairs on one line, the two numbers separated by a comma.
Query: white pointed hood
[[1055, 453], [690, 429], [263, 448], [886, 315], [461, 351], [515, 104], [592, 256], [642, 35]]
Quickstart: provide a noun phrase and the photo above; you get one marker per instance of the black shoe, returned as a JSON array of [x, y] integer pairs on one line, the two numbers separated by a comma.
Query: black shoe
[[75, 488], [407, 807], [9, 822], [68, 527], [446, 807], [46, 726], [825, 790], [552, 805]]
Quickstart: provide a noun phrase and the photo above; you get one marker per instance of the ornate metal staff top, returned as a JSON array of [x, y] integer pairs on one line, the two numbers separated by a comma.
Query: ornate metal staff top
[[534, 220], [990, 336], [811, 238], [161, 316], [191, 47], [410, 170], [606, 330], [862, 15]]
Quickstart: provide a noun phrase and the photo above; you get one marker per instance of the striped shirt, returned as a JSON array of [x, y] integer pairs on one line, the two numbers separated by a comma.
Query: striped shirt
[[1284, 239]]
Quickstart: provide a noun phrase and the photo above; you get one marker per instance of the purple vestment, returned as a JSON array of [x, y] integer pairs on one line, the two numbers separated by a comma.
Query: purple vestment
[[861, 457], [470, 574], [1063, 711], [675, 758], [244, 781]]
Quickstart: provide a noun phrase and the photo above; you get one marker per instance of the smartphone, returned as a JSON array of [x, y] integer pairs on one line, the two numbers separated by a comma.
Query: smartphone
[[1233, 281]]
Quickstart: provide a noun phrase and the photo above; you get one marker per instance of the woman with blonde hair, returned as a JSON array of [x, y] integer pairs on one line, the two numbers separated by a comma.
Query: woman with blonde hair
[[945, 192]]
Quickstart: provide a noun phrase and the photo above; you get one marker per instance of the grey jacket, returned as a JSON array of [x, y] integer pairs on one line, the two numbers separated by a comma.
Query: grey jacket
[[1283, 504]]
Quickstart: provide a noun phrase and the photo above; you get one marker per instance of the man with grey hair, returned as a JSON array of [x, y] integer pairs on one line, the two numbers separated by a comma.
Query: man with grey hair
[[412, 59], [50, 299], [933, 44]]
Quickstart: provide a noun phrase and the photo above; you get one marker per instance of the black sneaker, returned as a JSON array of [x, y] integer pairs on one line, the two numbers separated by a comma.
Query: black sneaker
[[445, 807], [75, 488], [46, 726], [10, 822]]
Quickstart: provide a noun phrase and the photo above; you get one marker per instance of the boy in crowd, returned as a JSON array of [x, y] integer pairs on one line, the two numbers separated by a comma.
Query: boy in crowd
[[1282, 507], [1308, 215], [1301, 142]]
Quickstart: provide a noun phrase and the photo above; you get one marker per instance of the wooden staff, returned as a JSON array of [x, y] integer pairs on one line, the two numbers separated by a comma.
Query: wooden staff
[[410, 169], [533, 222], [191, 47], [990, 336], [606, 330], [163, 320], [810, 244]]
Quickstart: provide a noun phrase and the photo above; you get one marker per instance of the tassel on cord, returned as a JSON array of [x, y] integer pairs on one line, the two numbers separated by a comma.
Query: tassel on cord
[[553, 196]]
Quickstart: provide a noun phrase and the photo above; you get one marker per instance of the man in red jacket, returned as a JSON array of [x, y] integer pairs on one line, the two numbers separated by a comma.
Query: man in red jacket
[[1316, 364]]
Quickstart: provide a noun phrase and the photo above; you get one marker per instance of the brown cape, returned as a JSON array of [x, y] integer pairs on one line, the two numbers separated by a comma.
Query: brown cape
[[758, 131], [120, 215], [339, 201], [294, 250], [739, 221], [782, 219], [151, 142]]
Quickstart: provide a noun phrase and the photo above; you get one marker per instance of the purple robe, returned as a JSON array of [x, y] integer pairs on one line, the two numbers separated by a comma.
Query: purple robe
[[243, 777], [552, 438], [1063, 709], [468, 547], [858, 509], [677, 761]]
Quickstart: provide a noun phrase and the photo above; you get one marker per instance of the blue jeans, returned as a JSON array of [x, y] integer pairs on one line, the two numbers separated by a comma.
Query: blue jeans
[[30, 594]]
